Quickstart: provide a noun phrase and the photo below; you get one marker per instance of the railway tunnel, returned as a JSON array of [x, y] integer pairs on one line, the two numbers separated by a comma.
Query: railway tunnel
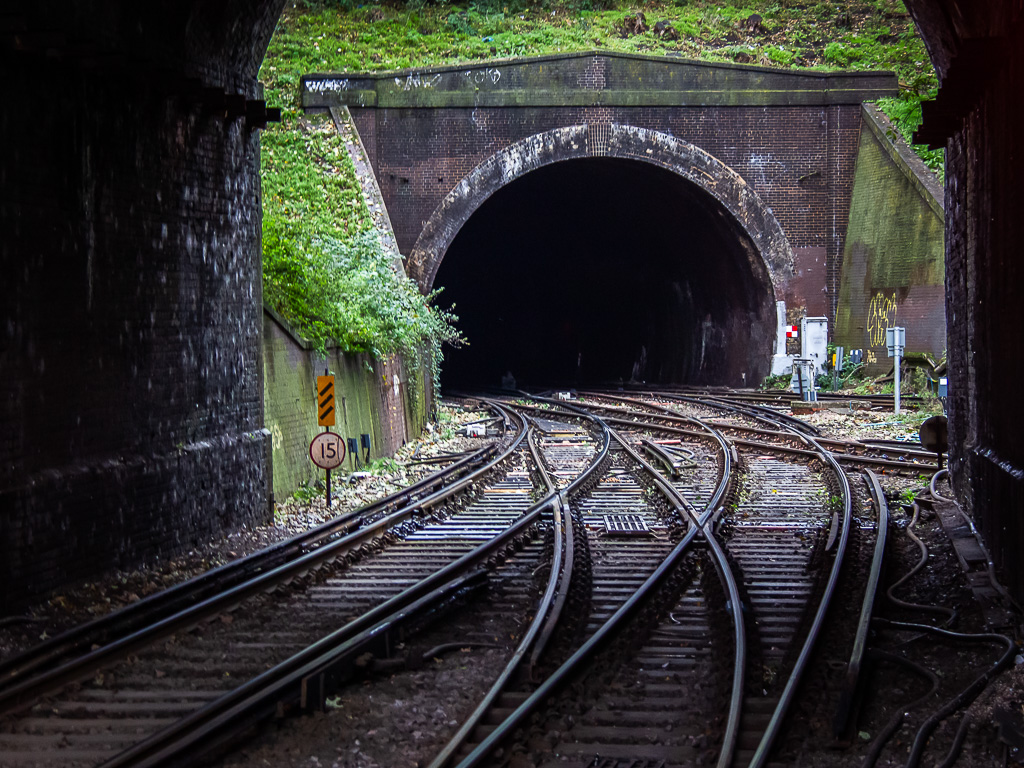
[[138, 170], [603, 270]]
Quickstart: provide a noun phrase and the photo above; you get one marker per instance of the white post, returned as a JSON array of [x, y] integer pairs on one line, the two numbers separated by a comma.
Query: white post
[[895, 340], [780, 328], [781, 362], [898, 350]]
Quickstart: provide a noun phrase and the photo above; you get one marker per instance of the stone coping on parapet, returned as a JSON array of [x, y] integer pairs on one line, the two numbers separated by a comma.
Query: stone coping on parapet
[[904, 158], [288, 328], [593, 78]]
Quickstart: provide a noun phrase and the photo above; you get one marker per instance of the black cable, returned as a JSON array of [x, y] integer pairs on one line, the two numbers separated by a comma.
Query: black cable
[[950, 613], [965, 696], [894, 724]]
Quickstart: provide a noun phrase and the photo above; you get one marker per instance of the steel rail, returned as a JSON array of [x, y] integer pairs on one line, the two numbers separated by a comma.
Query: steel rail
[[882, 443], [760, 757], [786, 395], [292, 678], [847, 458], [168, 601], [217, 723], [606, 631], [765, 415], [843, 445], [851, 684], [704, 522], [844, 457], [761, 754], [28, 689], [565, 555], [663, 456], [548, 612], [756, 412], [760, 413]]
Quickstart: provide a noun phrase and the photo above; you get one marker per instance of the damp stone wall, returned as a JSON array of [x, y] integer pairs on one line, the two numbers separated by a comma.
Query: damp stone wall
[[893, 259], [387, 400], [976, 50]]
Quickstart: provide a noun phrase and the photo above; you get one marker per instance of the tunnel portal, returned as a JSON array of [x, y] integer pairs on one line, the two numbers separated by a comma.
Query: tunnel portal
[[598, 270]]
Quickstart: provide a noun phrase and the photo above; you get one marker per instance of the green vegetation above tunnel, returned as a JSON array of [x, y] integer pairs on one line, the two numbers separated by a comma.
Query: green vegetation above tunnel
[[311, 194]]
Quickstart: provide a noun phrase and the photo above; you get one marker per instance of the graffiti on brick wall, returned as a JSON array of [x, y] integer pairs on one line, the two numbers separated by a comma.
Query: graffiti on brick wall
[[276, 437], [322, 86], [881, 315], [416, 81], [764, 167], [481, 76]]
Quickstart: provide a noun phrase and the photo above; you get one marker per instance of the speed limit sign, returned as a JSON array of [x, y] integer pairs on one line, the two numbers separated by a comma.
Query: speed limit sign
[[327, 450]]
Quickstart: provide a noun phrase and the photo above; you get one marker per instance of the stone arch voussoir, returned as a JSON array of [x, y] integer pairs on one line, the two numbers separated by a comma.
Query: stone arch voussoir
[[773, 252]]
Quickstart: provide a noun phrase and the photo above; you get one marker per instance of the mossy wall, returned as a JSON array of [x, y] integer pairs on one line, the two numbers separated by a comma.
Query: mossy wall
[[893, 260], [373, 397]]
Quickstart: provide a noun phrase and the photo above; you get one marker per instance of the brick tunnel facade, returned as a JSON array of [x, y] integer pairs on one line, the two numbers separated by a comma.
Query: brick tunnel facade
[[792, 136], [442, 141], [130, 415], [622, 253]]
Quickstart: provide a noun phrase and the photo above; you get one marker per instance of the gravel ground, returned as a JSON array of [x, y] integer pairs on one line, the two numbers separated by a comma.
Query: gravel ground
[[397, 720]]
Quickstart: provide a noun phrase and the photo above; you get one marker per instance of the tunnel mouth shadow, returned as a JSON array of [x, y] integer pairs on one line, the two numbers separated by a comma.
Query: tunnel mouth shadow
[[600, 270]]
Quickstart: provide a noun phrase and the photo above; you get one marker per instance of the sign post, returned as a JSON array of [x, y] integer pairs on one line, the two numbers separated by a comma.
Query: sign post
[[328, 452], [895, 340], [327, 449]]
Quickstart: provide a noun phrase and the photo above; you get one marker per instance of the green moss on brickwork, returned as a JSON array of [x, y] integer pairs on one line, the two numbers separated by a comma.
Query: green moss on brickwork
[[365, 390], [893, 260]]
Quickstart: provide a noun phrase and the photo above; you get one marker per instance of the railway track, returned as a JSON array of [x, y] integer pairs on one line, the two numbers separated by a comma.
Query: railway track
[[276, 635], [664, 565], [760, 429], [777, 547], [635, 547], [783, 398]]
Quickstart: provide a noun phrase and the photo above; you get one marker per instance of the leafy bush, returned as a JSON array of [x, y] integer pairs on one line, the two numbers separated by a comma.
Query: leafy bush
[[841, 55], [773, 382], [351, 294], [905, 114], [779, 55], [459, 24]]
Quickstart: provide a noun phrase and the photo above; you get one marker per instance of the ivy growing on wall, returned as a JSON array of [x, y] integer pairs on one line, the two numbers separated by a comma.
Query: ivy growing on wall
[[350, 294], [324, 268]]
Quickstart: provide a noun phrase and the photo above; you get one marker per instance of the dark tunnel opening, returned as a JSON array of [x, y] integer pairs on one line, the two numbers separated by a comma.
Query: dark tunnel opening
[[602, 270]]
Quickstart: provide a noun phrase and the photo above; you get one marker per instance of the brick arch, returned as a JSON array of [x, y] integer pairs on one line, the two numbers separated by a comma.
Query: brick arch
[[771, 257]]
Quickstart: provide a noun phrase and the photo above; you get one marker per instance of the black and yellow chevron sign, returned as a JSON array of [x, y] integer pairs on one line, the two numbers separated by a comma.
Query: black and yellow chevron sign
[[325, 400]]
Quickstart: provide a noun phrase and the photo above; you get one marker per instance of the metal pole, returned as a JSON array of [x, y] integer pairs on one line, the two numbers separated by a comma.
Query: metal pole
[[327, 372], [328, 481], [898, 351]]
